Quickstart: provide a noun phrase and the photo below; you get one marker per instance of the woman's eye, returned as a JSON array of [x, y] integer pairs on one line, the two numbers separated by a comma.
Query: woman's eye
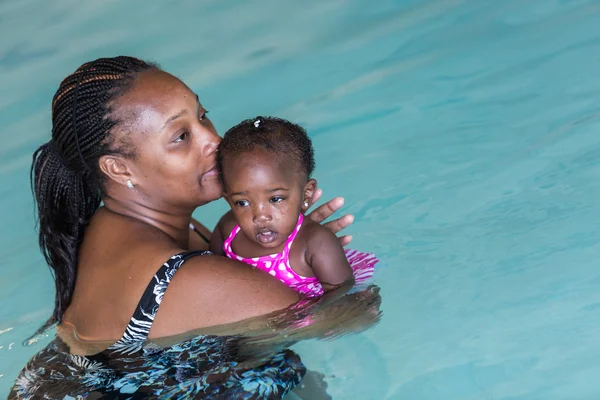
[[277, 199], [242, 203], [181, 137]]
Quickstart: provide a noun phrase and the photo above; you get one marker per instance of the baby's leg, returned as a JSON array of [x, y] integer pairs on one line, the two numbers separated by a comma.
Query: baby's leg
[[312, 387]]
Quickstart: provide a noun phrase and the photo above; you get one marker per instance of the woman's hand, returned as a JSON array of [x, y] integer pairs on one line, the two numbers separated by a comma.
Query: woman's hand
[[328, 209]]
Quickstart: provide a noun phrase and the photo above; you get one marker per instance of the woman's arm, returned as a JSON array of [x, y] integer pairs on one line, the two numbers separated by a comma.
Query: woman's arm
[[213, 290], [332, 315]]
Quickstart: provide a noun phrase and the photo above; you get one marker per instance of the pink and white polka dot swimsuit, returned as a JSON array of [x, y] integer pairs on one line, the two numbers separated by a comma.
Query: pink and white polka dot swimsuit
[[278, 264]]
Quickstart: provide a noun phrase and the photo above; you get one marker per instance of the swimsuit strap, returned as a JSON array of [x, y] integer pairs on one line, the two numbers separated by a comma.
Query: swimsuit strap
[[139, 325], [233, 234], [193, 227], [228, 249], [290, 239]]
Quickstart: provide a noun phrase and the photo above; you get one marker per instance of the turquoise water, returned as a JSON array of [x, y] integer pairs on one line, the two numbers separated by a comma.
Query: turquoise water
[[463, 134]]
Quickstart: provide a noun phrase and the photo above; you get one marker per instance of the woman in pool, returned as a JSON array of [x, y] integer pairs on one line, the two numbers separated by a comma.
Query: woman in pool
[[132, 155], [266, 166]]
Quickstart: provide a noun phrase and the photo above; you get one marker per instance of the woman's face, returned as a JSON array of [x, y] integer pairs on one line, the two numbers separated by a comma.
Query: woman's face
[[174, 142]]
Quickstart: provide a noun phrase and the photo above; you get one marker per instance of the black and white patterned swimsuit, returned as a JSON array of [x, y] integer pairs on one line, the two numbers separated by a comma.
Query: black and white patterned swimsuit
[[139, 325], [203, 367]]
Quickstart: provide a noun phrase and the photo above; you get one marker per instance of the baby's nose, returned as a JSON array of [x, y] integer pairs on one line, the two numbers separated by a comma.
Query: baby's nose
[[261, 215]]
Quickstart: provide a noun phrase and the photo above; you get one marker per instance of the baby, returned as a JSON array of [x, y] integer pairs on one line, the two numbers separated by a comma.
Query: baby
[[266, 166]]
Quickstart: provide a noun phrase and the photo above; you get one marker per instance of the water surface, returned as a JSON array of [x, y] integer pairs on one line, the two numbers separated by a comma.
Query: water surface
[[463, 134]]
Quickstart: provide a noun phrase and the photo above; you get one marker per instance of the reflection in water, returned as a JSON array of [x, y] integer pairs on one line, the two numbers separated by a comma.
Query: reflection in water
[[249, 359]]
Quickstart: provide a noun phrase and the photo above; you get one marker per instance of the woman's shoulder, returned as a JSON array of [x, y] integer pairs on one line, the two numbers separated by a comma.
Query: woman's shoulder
[[122, 236], [120, 258]]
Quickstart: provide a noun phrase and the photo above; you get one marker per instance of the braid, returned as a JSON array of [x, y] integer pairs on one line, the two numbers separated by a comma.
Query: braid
[[65, 175]]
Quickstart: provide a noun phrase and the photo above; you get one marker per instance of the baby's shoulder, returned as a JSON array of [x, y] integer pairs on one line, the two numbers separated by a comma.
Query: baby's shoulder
[[227, 223], [317, 241], [313, 232]]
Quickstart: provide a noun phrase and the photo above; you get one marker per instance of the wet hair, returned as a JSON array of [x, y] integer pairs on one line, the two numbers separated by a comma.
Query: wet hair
[[270, 134], [65, 176]]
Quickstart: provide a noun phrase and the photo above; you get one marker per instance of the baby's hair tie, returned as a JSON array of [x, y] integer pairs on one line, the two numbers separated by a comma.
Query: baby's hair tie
[[257, 122]]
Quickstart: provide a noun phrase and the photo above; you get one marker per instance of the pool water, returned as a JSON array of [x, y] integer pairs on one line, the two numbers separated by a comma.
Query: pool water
[[464, 136]]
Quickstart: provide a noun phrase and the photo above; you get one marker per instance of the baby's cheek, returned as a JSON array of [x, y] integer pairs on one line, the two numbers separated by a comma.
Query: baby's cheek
[[288, 219], [245, 221], [281, 215], [241, 218]]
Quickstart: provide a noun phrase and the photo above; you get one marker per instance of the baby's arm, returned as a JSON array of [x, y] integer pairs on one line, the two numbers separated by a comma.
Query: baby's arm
[[220, 232], [325, 255]]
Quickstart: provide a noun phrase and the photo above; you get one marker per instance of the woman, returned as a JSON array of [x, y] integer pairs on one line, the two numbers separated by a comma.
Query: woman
[[132, 155]]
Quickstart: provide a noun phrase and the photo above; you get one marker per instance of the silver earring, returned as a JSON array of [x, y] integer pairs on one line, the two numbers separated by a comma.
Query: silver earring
[[306, 204], [129, 184]]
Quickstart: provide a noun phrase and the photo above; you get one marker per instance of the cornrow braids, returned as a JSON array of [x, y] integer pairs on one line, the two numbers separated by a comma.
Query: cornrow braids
[[65, 174], [271, 134]]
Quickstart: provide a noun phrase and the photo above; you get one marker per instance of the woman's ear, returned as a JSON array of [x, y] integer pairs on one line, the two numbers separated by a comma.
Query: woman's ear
[[309, 191], [116, 169]]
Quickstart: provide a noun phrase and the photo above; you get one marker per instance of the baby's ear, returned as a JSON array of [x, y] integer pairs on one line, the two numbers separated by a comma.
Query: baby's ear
[[309, 191]]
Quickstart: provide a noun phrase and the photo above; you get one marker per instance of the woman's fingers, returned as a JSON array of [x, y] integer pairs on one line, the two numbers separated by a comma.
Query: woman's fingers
[[326, 210], [339, 224], [316, 196], [345, 240]]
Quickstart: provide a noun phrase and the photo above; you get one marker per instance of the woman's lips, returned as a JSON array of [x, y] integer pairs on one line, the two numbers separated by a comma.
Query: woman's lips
[[211, 172]]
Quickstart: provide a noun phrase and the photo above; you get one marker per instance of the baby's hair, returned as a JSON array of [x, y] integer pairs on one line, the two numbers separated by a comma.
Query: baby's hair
[[271, 134]]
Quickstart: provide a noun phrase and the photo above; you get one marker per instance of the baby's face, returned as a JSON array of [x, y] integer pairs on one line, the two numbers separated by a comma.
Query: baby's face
[[265, 192]]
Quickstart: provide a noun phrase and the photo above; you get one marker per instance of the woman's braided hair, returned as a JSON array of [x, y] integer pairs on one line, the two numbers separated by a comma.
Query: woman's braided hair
[[65, 174]]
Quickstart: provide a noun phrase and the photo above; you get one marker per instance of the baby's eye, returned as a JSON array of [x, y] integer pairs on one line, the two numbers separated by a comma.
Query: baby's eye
[[242, 203], [181, 137], [277, 199]]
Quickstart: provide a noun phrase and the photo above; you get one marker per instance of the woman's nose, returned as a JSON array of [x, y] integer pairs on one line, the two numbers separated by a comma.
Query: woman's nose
[[211, 142]]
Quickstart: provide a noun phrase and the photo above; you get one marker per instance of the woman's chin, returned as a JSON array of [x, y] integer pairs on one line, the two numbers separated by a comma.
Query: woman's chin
[[210, 193]]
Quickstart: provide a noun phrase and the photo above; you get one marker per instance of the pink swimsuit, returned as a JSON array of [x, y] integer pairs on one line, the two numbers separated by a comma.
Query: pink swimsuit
[[278, 265]]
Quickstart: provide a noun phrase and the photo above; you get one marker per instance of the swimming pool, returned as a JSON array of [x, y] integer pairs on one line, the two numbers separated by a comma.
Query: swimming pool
[[463, 135]]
